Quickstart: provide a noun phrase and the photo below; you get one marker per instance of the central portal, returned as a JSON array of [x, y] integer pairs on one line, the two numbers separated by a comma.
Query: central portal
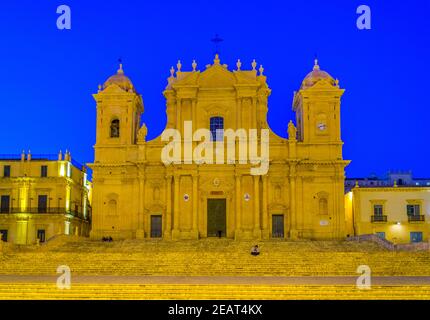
[[217, 218]]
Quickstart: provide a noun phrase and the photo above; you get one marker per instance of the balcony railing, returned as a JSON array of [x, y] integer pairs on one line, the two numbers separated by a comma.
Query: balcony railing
[[379, 218], [42, 211], [45, 157], [10, 157], [416, 218], [41, 157]]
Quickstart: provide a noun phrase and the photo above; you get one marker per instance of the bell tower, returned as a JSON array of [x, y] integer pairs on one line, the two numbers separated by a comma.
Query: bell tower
[[317, 107], [119, 108]]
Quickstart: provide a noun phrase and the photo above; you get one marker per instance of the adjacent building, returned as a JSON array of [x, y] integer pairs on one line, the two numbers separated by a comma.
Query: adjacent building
[[42, 196], [399, 178], [399, 214]]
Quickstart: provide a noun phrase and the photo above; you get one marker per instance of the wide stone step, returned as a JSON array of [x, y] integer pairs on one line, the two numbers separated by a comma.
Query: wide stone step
[[210, 257], [209, 292]]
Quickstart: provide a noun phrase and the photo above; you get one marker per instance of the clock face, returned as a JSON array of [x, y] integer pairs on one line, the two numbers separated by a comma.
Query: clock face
[[321, 126]]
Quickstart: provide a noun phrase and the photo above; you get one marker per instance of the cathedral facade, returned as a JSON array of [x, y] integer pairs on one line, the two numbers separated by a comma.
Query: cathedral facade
[[138, 195]]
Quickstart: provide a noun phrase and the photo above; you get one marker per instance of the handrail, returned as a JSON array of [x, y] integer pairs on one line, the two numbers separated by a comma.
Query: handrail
[[379, 218], [390, 245], [42, 210], [416, 218]]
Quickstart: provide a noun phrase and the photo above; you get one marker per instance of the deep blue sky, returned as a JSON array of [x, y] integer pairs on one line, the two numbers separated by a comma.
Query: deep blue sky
[[49, 75]]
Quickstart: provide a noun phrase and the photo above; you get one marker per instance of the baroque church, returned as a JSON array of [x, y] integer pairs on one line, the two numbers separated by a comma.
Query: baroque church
[[136, 195]]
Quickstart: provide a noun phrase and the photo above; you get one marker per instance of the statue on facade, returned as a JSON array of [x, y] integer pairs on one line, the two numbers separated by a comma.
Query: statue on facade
[[143, 132], [292, 131]]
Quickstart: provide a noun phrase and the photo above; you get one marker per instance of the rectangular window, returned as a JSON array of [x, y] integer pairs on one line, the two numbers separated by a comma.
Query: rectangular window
[[3, 235], [416, 237], [6, 171], [44, 171], [378, 210], [42, 204], [41, 235], [413, 209], [5, 204]]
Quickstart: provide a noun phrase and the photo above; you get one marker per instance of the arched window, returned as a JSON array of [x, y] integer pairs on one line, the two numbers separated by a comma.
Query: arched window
[[112, 207], [323, 206], [114, 128], [217, 123]]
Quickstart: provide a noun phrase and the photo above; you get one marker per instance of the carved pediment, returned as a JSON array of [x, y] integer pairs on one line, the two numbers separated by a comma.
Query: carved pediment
[[323, 84], [218, 109], [277, 207], [216, 183], [155, 207], [113, 89], [217, 77]]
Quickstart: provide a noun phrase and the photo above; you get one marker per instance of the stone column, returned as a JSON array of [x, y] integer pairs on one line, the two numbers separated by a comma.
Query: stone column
[[168, 224], [195, 205], [239, 113], [340, 205], [140, 233], [254, 113], [175, 233], [265, 213], [257, 227], [292, 219], [178, 115], [299, 216], [238, 206], [194, 111]]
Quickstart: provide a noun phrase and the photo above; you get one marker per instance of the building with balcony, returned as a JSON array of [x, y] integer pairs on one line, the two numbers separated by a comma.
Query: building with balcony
[[42, 196], [399, 214]]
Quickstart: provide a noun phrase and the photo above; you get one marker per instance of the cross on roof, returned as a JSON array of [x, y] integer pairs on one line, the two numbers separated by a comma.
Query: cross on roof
[[217, 40]]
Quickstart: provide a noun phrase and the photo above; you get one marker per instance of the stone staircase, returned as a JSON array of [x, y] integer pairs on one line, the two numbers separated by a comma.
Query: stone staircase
[[212, 257], [384, 243], [42, 291]]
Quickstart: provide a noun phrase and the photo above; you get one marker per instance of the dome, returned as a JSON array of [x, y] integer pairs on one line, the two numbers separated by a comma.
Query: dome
[[316, 75], [120, 80]]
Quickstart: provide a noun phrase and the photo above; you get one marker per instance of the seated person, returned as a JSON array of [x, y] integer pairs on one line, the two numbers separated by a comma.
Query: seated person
[[255, 251]]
